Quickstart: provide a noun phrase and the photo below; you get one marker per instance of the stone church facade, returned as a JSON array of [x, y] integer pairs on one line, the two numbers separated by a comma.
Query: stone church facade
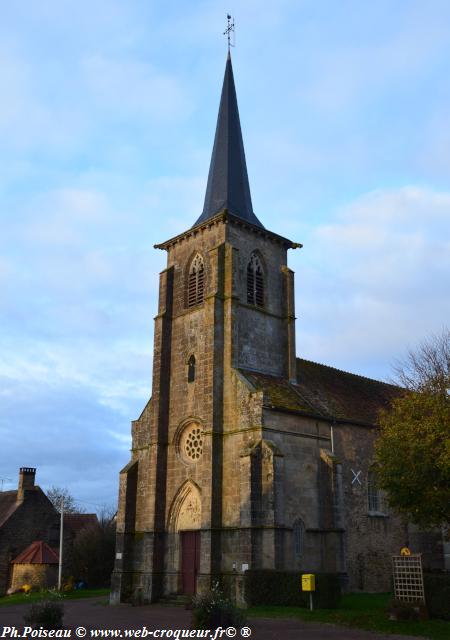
[[245, 456]]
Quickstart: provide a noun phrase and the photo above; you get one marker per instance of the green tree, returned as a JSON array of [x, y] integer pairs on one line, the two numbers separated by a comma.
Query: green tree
[[413, 450]]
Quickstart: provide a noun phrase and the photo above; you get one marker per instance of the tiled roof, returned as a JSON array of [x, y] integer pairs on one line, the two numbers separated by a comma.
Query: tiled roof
[[342, 395], [278, 392], [326, 392], [37, 553], [78, 521], [8, 504]]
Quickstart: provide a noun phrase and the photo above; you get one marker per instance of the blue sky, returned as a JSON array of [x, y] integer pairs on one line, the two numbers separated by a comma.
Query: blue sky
[[107, 120]]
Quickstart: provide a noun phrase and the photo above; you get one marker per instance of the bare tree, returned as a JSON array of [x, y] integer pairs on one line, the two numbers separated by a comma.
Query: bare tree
[[428, 367], [54, 494]]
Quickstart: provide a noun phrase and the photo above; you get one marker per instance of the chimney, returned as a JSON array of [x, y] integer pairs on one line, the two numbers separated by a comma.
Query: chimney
[[26, 481]]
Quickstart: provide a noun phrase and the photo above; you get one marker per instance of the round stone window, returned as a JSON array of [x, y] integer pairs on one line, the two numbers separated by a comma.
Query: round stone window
[[191, 443]]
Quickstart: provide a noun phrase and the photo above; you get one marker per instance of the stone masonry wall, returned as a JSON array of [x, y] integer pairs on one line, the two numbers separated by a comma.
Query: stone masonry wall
[[300, 439], [262, 340], [39, 576], [371, 539]]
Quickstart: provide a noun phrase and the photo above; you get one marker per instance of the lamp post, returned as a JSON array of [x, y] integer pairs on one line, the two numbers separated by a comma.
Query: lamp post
[[61, 538]]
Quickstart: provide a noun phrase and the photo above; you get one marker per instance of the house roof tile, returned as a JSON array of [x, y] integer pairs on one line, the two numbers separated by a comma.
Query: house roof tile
[[78, 521], [37, 553], [8, 504]]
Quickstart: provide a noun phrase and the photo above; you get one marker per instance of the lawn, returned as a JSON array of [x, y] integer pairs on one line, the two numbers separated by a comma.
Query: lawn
[[363, 611], [22, 598]]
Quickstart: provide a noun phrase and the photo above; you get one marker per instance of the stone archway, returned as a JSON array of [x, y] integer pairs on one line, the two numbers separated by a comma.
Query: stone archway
[[184, 524]]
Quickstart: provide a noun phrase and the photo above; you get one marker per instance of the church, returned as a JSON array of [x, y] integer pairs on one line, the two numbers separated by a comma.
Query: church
[[245, 457]]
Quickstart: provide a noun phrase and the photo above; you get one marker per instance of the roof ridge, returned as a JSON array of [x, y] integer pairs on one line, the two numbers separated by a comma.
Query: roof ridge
[[348, 373], [296, 388]]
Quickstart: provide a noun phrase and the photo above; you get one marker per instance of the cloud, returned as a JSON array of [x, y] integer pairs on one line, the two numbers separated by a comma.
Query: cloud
[[376, 279], [61, 431], [107, 122]]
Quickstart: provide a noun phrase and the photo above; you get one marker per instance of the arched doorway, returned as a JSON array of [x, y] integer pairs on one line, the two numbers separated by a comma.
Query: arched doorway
[[184, 525]]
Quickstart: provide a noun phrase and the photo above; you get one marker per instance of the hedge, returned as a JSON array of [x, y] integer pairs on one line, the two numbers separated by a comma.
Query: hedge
[[269, 587], [437, 594]]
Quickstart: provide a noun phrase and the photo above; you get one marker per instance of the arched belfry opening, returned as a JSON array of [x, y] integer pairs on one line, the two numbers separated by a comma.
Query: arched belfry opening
[[196, 281], [255, 281]]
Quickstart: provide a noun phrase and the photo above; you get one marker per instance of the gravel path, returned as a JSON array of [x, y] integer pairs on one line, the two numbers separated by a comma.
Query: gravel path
[[95, 613]]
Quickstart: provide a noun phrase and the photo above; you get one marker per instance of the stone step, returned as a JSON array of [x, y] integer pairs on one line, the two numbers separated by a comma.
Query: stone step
[[175, 600]]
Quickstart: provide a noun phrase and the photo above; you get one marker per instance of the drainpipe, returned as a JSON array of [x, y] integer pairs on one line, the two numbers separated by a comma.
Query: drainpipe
[[339, 522]]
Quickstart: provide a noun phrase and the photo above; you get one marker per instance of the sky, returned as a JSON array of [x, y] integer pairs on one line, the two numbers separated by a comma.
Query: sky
[[107, 118]]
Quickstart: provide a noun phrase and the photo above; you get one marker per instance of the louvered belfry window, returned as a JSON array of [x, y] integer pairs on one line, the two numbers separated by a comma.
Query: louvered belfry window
[[255, 282], [196, 282]]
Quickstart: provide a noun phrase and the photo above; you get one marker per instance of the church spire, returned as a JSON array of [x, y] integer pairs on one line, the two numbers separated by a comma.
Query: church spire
[[228, 186]]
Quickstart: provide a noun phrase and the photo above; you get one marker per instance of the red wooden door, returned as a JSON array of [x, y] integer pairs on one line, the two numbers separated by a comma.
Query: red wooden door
[[190, 560]]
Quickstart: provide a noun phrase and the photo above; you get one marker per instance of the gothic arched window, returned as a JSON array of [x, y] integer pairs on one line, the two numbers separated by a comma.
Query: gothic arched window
[[196, 281], [191, 369], [299, 538], [255, 281]]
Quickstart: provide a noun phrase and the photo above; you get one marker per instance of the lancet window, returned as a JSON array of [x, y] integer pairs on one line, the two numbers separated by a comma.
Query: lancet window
[[299, 538], [191, 369], [196, 282], [374, 494], [255, 281]]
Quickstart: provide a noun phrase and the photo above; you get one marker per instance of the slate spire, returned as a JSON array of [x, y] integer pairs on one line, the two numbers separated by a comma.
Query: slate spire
[[228, 186]]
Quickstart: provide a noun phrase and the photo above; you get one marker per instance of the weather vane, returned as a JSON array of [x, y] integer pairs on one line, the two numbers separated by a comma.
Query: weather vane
[[229, 30]]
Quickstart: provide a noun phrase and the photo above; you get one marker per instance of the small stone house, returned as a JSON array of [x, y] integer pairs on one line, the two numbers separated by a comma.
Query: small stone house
[[37, 566], [26, 515]]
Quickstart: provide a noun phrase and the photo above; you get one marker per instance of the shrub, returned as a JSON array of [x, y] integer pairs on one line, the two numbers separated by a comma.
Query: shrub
[[437, 594], [401, 610], [212, 610], [47, 614], [93, 553], [284, 588]]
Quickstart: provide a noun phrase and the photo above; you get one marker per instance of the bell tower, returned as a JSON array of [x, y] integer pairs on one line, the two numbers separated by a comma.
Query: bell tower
[[226, 303]]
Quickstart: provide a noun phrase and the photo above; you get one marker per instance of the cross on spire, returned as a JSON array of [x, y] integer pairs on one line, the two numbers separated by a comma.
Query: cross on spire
[[229, 30]]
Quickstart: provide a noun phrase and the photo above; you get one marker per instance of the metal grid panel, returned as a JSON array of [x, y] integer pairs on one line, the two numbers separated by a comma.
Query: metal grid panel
[[408, 578]]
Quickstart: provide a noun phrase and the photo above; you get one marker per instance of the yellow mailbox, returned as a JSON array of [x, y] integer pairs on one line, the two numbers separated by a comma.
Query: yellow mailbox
[[308, 582]]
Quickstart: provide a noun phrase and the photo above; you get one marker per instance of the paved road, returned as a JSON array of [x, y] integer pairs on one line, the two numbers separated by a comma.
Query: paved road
[[94, 613]]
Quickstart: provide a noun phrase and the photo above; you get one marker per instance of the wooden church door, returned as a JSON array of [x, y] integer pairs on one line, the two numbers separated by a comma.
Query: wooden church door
[[190, 560]]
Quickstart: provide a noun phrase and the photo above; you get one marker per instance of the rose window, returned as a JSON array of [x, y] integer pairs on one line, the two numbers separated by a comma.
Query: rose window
[[192, 443]]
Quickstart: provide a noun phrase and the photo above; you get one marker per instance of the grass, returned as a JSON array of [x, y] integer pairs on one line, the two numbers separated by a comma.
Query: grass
[[361, 611], [22, 598]]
